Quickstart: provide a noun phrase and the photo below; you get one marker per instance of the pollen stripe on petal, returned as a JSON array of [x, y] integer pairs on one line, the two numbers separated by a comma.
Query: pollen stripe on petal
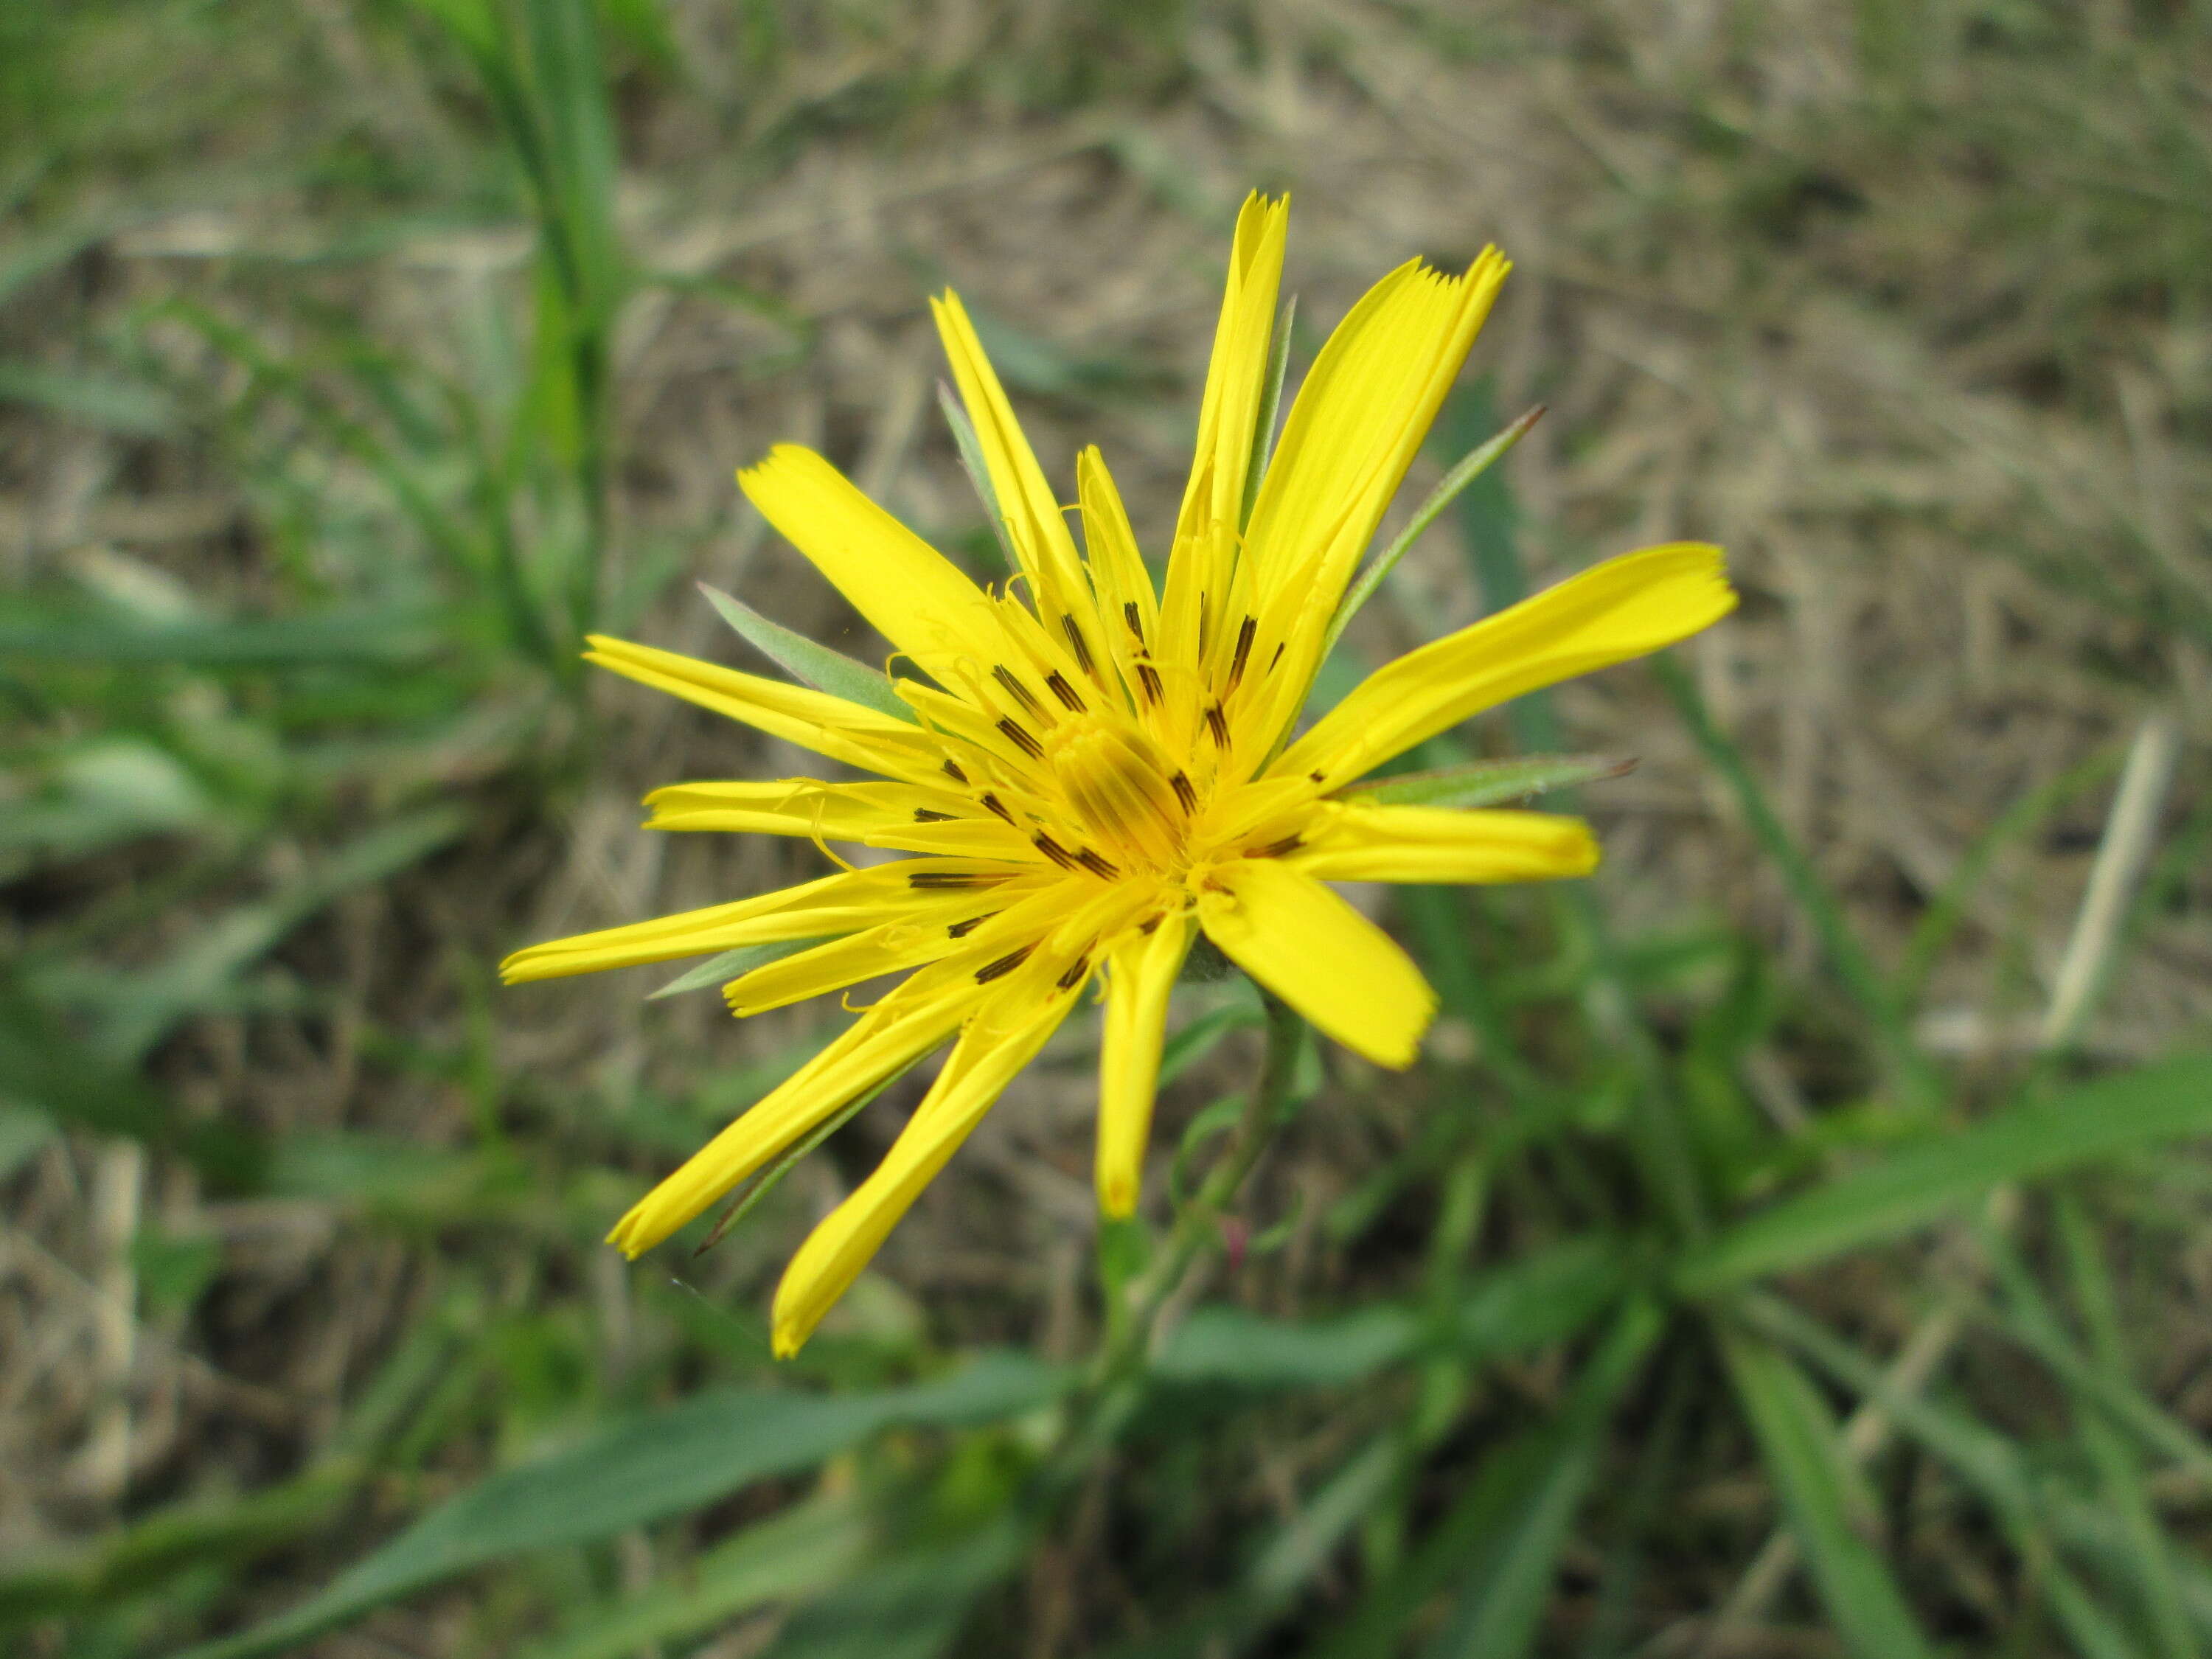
[[1022, 740], [1053, 850], [1005, 676], [1005, 965], [1079, 645], [1245, 631]]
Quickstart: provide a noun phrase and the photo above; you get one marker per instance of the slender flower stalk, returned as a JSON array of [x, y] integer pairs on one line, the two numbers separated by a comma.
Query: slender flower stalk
[[1088, 772]]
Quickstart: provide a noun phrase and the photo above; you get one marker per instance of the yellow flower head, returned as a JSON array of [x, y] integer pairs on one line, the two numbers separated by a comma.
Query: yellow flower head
[[1100, 770]]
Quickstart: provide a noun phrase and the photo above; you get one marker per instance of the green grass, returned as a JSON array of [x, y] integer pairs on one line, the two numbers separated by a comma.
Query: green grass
[[1534, 1350]]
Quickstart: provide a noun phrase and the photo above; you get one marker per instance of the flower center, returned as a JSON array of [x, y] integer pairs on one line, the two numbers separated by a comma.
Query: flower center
[[1123, 790]]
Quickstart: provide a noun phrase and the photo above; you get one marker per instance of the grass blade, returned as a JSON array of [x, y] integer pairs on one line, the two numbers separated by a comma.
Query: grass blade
[[2168, 1100], [2119, 1473], [1914, 1077], [816, 665], [1446, 492], [1489, 783], [977, 469], [1271, 404], [1500, 1609], [800, 1552], [1822, 1493], [721, 969], [655, 1464]]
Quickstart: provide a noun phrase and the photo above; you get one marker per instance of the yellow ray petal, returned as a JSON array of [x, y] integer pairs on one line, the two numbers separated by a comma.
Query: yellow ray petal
[[888, 948], [814, 719], [835, 904], [895, 1033], [1005, 1035], [912, 594], [1349, 842], [1041, 537], [1319, 955], [895, 816], [1142, 974], [1626, 607], [1128, 610], [1235, 376], [1359, 417]]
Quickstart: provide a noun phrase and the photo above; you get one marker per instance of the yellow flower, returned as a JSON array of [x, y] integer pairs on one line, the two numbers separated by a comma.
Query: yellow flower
[[1101, 771]]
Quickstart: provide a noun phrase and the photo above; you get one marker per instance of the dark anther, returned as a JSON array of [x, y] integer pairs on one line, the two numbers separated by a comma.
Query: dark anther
[[1134, 617], [950, 879], [953, 767], [1076, 971], [1272, 661], [997, 806], [1148, 678], [1005, 965], [1005, 676], [1216, 725], [1078, 644], [1205, 621], [962, 929], [923, 814], [1053, 850], [1150, 925], [1245, 631], [1184, 793], [1276, 849], [1318, 777], [1064, 691], [1022, 740], [1095, 865]]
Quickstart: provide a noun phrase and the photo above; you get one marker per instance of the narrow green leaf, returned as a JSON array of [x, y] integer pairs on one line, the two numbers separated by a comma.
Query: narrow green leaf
[[2170, 1100], [911, 1606], [730, 965], [798, 1552], [655, 1464], [1847, 955], [1822, 1493], [813, 664], [1547, 1296], [1995, 1468], [1501, 1541], [1196, 1040], [1311, 1535], [1271, 402], [1446, 491], [978, 470], [768, 1180], [100, 400], [1503, 1601], [1488, 782], [2119, 1470]]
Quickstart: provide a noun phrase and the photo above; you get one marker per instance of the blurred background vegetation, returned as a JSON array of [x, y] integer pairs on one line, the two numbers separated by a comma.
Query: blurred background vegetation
[[1796, 1241]]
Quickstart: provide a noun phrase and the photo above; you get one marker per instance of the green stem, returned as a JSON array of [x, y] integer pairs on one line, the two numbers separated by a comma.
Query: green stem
[[1110, 1389]]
